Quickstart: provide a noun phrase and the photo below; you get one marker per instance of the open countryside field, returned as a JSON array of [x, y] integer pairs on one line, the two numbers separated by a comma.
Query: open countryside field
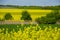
[[16, 13], [29, 20], [29, 32]]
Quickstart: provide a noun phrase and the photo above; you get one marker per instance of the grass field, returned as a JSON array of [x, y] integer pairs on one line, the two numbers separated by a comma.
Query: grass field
[[16, 13]]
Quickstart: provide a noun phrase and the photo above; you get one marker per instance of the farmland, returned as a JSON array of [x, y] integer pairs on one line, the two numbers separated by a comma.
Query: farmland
[[29, 32], [16, 13]]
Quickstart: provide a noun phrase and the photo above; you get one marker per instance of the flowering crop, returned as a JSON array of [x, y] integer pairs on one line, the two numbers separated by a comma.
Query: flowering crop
[[31, 33]]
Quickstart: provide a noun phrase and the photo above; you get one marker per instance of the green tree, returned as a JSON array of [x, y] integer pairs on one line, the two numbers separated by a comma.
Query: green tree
[[50, 18], [26, 16], [42, 20], [8, 16], [55, 14]]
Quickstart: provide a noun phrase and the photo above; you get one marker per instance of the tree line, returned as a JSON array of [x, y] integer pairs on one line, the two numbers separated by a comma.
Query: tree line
[[32, 7]]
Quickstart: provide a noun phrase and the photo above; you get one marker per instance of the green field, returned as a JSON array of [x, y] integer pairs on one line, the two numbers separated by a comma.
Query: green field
[[16, 13]]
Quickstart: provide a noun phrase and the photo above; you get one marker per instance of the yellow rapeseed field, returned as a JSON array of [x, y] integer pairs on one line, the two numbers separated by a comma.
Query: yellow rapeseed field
[[31, 33], [16, 13]]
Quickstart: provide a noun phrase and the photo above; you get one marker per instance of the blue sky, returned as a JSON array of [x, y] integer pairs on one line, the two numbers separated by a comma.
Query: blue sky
[[30, 2]]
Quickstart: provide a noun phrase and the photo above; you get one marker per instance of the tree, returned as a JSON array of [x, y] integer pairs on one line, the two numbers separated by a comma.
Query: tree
[[42, 20], [50, 18], [55, 14], [26, 16], [8, 16]]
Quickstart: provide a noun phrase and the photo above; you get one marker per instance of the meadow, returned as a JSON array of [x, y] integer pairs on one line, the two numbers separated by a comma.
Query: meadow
[[16, 13]]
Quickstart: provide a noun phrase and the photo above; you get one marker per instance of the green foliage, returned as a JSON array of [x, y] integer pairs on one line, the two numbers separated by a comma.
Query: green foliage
[[26, 16], [41, 20], [32, 7], [8, 16], [55, 14], [38, 32], [51, 18], [51, 21], [16, 27]]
